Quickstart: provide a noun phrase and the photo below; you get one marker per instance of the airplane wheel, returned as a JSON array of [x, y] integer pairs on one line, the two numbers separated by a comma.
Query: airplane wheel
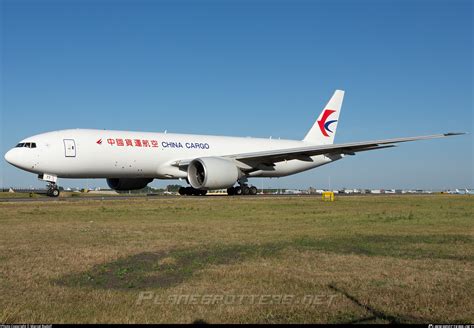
[[245, 190], [189, 191], [253, 190], [54, 192], [231, 191], [202, 192], [238, 191], [182, 191]]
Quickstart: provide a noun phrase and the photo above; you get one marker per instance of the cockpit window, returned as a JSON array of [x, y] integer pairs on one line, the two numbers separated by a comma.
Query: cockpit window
[[26, 144]]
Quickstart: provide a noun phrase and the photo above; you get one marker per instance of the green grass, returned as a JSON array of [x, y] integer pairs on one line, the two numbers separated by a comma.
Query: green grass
[[383, 259], [9, 195]]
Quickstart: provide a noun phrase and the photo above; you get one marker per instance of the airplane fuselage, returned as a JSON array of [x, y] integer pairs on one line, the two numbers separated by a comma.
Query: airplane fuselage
[[85, 153]]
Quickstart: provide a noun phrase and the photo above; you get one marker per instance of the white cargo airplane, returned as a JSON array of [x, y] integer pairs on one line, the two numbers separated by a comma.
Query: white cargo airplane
[[131, 160]]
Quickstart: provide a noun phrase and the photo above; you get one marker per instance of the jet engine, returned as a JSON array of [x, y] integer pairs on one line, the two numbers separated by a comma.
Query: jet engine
[[128, 183], [212, 173]]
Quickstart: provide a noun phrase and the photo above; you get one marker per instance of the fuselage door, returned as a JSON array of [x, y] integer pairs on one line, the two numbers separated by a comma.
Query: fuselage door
[[70, 147]]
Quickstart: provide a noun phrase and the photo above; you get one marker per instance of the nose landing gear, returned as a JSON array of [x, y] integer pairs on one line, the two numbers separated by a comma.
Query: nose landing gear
[[53, 190]]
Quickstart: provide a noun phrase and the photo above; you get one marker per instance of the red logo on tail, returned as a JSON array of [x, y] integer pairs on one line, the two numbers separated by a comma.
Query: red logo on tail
[[99, 142], [323, 125]]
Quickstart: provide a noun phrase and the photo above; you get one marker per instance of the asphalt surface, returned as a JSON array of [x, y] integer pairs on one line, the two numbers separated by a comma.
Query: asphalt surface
[[78, 199], [118, 198], [28, 199]]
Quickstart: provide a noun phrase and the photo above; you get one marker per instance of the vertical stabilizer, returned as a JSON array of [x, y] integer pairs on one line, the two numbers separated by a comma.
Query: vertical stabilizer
[[324, 129]]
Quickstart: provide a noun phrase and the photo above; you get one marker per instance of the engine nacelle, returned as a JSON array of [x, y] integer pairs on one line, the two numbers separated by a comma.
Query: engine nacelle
[[128, 183], [212, 173]]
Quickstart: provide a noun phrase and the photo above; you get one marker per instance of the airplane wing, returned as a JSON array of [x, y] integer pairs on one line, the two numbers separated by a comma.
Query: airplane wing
[[303, 153]]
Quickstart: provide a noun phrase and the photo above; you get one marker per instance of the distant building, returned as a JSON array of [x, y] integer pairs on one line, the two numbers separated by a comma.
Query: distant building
[[293, 192]]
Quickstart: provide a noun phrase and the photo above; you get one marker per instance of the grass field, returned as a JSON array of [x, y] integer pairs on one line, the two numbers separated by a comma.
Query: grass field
[[384, 259]]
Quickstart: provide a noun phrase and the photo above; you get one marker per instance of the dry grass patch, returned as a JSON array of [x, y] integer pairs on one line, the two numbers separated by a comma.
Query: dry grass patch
[[382, 259]]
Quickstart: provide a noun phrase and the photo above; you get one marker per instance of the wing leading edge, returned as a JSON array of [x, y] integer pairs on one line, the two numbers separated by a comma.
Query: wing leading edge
[[274, 156], [304, 153]]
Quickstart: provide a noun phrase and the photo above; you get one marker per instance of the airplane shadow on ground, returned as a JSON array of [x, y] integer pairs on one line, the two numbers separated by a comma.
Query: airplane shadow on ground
[[165, 269], [375, 315]]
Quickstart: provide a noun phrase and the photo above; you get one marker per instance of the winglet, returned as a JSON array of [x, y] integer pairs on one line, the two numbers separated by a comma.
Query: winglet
[[449, 134]]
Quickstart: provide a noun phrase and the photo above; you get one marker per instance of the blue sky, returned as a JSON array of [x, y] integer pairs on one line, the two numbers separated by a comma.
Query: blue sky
[[248, 68]]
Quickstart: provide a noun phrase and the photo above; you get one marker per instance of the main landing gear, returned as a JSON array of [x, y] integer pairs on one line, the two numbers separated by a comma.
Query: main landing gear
[[243, 189], [190, 191], [53, 190]]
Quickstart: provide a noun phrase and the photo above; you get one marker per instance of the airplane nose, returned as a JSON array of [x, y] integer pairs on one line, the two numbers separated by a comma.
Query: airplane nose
[[13, 156], [17, 157], [9, 156]]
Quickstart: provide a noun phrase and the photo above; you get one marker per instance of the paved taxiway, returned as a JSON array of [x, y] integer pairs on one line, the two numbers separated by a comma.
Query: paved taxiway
[[118, 198]]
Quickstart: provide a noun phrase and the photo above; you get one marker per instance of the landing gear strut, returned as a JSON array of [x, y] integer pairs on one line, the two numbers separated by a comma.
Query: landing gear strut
[[53, 190]]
